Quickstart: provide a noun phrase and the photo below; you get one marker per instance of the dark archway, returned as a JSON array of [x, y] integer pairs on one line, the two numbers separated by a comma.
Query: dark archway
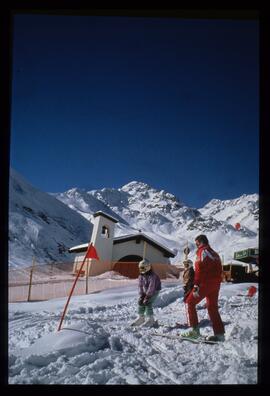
[[128, 266]]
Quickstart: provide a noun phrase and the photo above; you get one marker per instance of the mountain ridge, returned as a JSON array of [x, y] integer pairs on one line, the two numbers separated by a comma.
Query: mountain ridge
[[137, 206]]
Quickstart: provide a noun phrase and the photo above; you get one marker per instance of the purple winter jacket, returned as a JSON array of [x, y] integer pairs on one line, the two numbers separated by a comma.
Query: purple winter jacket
[[149, 283]]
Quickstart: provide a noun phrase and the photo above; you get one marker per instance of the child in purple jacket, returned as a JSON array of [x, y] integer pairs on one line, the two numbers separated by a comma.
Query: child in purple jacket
[[149, 287]]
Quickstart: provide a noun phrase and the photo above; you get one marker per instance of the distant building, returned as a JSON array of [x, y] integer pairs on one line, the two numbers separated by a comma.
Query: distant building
[[123, 253], [244, 267]]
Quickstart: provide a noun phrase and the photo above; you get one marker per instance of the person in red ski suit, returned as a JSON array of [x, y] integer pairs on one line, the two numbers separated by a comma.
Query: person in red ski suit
[[207, 279]]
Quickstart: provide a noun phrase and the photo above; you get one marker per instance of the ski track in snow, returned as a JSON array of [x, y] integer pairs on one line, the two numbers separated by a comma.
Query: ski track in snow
[[114, 353]]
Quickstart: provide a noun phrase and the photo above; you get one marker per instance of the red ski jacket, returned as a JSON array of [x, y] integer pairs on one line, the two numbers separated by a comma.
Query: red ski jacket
[[208, 267]]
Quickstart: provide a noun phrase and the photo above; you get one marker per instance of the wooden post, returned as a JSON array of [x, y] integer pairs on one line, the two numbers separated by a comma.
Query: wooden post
[[30, 280], [87, 269], [51, 270], [144, 250]]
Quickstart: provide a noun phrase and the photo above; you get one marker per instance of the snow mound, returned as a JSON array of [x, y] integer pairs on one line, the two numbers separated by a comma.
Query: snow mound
[[167, 297], [69, 340]]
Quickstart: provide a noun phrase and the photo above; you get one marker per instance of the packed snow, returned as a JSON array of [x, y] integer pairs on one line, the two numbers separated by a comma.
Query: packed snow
[[97, 345]]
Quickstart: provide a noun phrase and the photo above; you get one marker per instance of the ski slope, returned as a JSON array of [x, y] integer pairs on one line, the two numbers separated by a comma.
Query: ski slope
[[112, 353]]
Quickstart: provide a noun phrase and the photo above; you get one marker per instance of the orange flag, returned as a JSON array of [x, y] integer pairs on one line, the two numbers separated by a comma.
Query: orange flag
[[251, 291], [91, 252]]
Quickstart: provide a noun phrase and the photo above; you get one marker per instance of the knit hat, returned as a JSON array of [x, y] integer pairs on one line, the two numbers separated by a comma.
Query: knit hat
[[144, 266]]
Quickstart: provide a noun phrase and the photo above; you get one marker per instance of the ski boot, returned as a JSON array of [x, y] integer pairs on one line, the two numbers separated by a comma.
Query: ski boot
[[150, 322], [194, 333], [140, 320], [216, 337]]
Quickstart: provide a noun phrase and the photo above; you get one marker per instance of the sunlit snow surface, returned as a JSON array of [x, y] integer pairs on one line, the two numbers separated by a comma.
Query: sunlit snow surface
[[112, 353]]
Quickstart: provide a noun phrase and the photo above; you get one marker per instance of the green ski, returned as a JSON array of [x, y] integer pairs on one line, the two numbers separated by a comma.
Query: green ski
[[199, 340]]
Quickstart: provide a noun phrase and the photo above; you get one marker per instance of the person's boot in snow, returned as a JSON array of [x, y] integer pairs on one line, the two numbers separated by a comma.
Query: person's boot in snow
[[194, 333], [140, 320], [216, 337], [150, 322]]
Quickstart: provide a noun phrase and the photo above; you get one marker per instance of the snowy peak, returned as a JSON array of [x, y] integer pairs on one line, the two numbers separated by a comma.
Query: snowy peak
[[138, 203], [135, 186], [143, 190]]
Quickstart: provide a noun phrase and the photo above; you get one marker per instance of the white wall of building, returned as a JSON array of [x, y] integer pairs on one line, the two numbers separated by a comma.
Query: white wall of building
[[128, 248]]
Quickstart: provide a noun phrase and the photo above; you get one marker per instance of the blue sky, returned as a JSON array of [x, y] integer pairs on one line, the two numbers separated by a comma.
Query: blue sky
[[102, 101]]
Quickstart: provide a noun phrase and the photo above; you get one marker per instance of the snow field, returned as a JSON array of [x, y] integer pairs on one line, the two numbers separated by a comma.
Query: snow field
[[113, 353]]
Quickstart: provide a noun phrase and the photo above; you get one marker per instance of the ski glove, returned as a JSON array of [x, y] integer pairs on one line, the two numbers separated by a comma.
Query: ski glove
[[140, 301], [196, 291], [146, 300]]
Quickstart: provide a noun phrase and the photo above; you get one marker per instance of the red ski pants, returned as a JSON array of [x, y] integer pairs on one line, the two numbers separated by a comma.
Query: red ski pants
[[212, 307]]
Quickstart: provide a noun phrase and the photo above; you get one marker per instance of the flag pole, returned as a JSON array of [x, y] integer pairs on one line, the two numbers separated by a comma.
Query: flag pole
[[72, 289], [30, 280], [87, 268]]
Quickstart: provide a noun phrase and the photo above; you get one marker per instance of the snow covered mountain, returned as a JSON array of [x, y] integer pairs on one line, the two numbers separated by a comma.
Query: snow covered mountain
[[165, 218], [41, 225], [243, 210]]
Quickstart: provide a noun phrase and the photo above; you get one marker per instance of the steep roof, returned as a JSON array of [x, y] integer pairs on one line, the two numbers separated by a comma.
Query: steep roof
[[100, 213], [125, 238]]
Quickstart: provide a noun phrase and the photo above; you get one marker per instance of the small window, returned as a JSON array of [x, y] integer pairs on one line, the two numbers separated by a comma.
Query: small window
[[105, 232]]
